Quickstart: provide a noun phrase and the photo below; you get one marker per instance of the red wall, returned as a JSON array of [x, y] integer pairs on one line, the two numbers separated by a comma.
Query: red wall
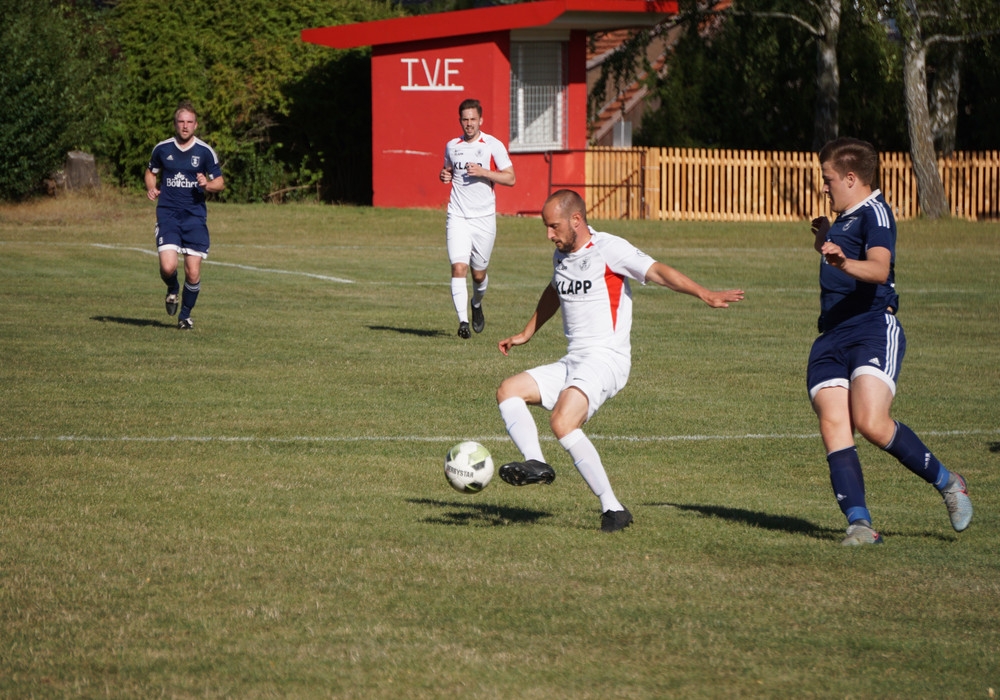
[[416, 90]]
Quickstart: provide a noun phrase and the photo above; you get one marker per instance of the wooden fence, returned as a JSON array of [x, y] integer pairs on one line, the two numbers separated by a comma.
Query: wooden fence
[[725, 185]]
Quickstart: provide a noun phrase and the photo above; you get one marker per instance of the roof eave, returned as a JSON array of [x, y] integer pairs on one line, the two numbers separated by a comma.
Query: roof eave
[[587, 15]]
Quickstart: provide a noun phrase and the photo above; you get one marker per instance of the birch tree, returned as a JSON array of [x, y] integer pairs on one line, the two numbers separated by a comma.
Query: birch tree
[[922, 25]]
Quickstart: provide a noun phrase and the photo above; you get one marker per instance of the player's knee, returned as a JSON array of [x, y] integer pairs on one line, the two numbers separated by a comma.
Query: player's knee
[[506, 390], [562, 423], [878, 430]]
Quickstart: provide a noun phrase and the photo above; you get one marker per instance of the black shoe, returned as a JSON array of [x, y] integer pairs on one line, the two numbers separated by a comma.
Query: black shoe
[[615, 520], [478, 320], [463, 330], [530, 472], [185, 324], [171, 303]]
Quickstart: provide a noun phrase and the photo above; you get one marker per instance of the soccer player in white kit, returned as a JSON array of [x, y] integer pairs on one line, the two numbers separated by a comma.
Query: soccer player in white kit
[[590, 283], [473, 163]]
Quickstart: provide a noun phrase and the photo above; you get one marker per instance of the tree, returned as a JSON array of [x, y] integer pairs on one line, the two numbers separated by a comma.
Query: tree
[[252, 80], [979, 100], [821, 20], [50, 71], [734, 84], [923, 24]]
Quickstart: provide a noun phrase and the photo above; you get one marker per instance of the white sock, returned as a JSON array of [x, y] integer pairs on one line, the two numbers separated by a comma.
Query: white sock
[[479, 291], [460, 297], [521, 427], [588, 463]]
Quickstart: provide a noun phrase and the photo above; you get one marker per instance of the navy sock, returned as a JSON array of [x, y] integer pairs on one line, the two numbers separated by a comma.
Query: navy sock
[[189, 299], [173, 286], [914, 455], [848, 484]]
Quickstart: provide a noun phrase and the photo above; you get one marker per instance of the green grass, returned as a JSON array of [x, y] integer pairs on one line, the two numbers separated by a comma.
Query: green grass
[[257, 508]]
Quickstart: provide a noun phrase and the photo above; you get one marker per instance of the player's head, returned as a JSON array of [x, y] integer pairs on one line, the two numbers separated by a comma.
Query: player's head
[[849, 169], [470, 116], [470, 104], [848, 155], [185, 121], [565, 217]]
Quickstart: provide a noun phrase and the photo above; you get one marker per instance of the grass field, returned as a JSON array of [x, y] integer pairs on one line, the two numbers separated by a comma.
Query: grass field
[[257, 508]]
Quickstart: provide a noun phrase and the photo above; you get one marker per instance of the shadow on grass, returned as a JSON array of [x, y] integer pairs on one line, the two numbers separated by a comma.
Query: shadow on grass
[[995, 447], [783, 523], [133, 321], [410, 331], [794, 526], [481, 514]]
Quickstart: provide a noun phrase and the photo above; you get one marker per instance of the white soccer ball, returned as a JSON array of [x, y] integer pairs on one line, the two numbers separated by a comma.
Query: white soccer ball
[[468, 467]]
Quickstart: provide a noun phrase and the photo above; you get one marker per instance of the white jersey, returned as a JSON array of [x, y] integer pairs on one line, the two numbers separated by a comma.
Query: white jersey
[[473, 197], [594, 292]]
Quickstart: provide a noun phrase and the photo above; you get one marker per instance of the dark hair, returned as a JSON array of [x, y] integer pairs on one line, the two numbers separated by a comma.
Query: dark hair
[[848, 155], [470, 104], [185, 106], [569, 203]]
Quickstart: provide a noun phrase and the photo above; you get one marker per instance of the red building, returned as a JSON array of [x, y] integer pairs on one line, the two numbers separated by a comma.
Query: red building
[[526, 63]]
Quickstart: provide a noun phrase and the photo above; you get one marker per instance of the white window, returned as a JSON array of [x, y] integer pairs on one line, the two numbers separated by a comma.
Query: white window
[[538, 93]]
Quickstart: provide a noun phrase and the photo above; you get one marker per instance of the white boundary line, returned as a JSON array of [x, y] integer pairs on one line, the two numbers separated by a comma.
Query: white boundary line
[[325, 278], [446, 438], [341, 280]]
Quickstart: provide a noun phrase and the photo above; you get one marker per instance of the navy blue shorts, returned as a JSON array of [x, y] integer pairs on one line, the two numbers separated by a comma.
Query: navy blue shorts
[[872, 343], [181, 231]]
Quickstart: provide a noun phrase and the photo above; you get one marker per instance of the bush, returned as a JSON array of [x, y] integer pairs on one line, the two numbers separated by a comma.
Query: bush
[[254, 83], [50, 69]]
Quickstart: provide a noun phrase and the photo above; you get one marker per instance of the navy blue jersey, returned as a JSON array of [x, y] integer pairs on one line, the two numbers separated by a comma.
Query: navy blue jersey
[[870, 224], [179, 170]]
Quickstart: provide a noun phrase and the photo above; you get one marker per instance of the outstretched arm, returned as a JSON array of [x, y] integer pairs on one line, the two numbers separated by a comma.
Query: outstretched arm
[[668, 277], [547, 306]]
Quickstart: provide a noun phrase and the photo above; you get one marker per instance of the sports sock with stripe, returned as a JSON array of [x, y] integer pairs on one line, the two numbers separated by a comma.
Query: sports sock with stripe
[[848, 484], [914, 455]]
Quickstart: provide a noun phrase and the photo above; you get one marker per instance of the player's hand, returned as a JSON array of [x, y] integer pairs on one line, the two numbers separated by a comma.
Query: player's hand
[[820, 226], [834, 254], [445, 175], [507, 343], [722, 300], [153, 194], [202, 180], [476, 170]]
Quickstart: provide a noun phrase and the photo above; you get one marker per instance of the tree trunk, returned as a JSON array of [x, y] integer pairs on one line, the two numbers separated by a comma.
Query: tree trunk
[[827, 115], [944, 100], [930, 189]]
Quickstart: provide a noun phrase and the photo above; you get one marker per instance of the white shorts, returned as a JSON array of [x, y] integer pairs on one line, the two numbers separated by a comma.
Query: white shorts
[[470, 241], [599, 375]]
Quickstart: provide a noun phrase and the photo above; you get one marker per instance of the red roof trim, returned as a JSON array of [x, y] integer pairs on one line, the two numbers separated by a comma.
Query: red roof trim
[[484, 20]]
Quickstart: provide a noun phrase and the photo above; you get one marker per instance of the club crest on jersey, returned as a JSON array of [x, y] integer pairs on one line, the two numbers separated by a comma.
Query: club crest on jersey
[[585, 263], [195, 160]]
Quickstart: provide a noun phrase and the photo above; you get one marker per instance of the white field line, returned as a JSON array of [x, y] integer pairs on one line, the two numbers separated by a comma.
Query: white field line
[[446, 438], [251, 268], [340, 280]]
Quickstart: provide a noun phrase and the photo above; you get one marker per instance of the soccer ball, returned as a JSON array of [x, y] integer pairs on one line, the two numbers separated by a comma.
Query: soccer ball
[[468, 467]]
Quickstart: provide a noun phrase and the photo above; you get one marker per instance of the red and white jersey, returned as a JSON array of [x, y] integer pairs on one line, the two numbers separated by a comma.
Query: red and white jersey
[[472, 197], [594, 292]]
